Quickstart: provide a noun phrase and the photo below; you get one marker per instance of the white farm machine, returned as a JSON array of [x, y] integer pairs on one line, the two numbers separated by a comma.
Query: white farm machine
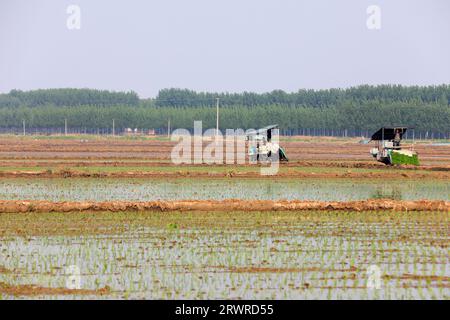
[[261, 146]]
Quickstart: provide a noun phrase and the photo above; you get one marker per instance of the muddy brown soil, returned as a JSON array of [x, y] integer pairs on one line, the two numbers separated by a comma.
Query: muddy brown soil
[[14, 206], [34, 290], [289, 174], [65, 163], [309, 149], [54, 158]]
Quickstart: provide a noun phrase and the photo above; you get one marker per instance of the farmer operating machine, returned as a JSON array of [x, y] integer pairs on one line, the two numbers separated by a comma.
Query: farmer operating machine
[[261, 146], [389, 148]]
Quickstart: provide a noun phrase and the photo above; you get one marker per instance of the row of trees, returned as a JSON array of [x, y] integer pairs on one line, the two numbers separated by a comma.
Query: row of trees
[[307, 98], [369, 116], [188, 98], [358, 108], [68, 97]]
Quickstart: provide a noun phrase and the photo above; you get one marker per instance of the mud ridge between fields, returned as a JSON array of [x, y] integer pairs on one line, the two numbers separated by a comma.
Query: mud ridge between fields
[[18, 206], [229, 174], [34, 290], [65, 165]]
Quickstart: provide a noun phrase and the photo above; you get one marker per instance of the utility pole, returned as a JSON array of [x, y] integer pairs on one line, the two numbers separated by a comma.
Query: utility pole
[[114, 128], [168, 128], [23, 123], [65, 127], [217, 117]]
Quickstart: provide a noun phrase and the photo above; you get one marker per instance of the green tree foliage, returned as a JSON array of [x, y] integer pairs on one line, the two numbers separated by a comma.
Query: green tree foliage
[[307, 98], [361, 108], [370, 116], [68, 97]]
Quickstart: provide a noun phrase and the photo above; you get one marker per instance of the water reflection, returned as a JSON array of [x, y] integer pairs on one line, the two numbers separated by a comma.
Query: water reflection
[[87, 189]]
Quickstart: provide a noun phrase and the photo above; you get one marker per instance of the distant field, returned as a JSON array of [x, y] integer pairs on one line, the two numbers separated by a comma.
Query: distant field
[[333, 150]]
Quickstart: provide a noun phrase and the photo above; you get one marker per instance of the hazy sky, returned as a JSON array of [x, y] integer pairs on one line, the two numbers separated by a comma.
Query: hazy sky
[[222, 45]]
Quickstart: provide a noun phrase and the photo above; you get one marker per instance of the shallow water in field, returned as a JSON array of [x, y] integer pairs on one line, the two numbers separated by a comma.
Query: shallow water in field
[[301, 260], [83, 189]]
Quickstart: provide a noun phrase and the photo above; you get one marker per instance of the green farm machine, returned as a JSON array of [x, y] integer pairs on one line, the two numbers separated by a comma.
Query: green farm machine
[[389, 148]]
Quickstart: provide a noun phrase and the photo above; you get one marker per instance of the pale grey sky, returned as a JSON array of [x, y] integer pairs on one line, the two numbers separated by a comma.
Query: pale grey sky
[[222, 45]]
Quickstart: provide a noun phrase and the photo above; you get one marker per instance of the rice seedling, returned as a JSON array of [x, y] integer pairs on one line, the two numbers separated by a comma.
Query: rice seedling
[[230, 255]]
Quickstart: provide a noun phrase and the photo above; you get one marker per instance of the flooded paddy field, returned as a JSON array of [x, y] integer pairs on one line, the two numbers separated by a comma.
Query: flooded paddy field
[[137, 189], [257, 246], [222, 255]]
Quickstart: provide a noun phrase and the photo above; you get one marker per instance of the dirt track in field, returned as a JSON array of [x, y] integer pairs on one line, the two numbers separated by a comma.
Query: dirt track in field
[[14, 206], [34, 290], [289, 174], [61, 163]]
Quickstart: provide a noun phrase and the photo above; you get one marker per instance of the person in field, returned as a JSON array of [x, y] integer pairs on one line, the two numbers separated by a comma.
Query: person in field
[[397, 138]]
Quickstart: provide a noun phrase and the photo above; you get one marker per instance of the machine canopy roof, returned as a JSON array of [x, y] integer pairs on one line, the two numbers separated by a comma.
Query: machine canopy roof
[[262, 130], [388, 133]]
